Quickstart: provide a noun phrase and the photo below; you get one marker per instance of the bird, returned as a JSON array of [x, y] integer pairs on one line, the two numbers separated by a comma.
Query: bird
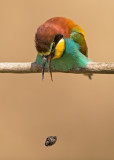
[[50, 140], [61, 45]]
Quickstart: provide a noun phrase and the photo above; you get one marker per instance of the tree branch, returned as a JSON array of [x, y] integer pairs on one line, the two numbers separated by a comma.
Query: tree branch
[[28, 67]]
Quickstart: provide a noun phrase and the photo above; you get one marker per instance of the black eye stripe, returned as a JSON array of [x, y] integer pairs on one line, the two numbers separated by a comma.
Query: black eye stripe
[[57, 38]]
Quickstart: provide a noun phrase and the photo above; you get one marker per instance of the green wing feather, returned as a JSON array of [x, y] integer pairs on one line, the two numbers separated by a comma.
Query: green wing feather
[[79, 38]]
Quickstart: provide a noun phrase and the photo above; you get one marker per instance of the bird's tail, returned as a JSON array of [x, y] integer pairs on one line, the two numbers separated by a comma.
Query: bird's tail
[[89, 75]]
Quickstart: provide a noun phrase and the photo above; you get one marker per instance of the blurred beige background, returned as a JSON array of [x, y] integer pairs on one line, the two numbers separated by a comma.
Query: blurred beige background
[[78, 111]]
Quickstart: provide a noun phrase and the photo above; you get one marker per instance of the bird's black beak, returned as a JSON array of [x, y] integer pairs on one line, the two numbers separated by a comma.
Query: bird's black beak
[[44, 60], [49, 65]]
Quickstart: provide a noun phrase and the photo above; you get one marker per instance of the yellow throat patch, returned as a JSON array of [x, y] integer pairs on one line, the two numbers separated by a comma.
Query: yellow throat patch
[[59, 49]]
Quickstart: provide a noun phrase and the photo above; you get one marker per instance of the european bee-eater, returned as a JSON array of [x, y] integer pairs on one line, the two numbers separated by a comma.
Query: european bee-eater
[[61, 43]]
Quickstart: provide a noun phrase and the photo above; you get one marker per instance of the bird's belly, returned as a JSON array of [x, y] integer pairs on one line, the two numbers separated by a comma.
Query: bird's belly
[[64, 63]]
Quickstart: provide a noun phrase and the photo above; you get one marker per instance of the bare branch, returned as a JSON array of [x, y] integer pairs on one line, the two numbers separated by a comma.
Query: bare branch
[[28, 67]]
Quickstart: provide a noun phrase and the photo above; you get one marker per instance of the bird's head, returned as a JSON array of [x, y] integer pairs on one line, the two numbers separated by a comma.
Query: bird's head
[[57, 48]]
